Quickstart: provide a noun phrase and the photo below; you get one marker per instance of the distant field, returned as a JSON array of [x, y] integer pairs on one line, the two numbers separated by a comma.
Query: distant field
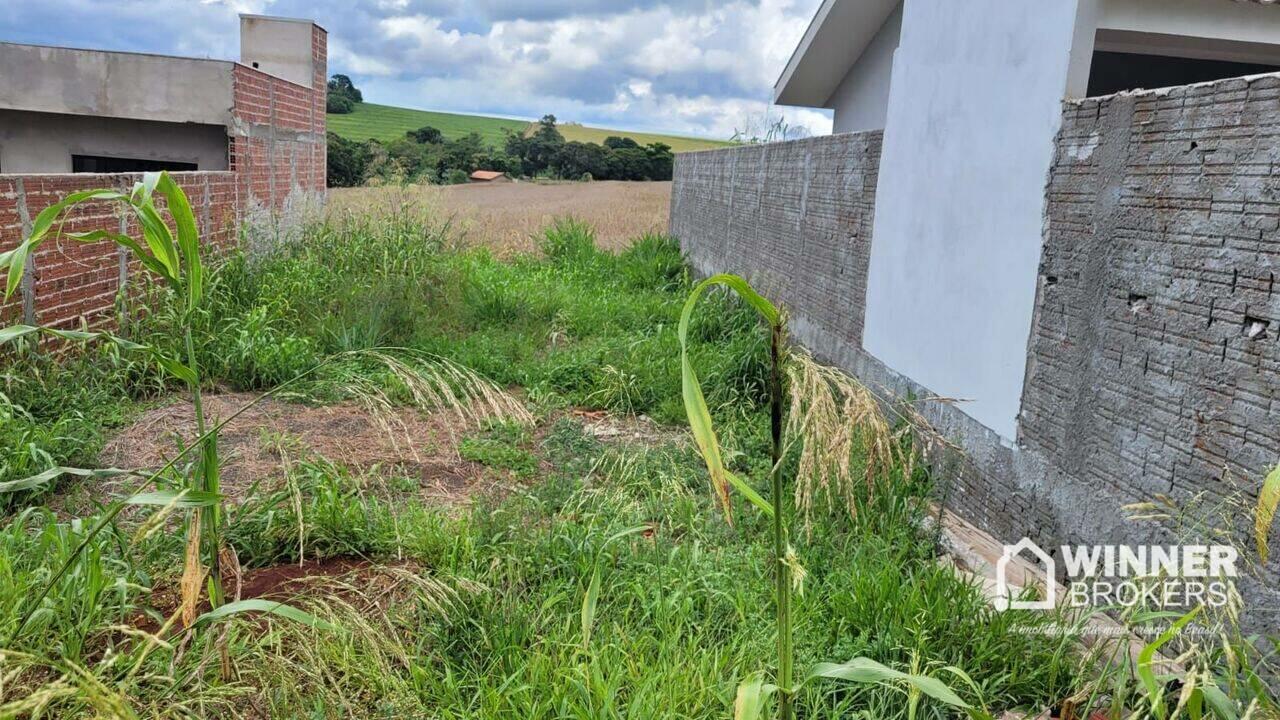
[[384, 122], [505, 218], [582, 133]]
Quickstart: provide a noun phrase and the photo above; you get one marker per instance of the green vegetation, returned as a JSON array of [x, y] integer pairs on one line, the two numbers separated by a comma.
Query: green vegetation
[[424, 155], [343, 96], [383, 122], [574, 132], [370, 121], [603, 584]]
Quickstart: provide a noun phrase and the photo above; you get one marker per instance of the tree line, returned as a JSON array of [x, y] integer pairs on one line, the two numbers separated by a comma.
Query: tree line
[[425, 155]]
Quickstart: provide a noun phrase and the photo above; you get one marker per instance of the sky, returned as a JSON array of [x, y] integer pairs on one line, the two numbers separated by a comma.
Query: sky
[[698, 67]]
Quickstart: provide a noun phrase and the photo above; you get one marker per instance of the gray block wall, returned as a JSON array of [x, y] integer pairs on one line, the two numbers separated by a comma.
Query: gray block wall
[[793, 218], [1153, 354]]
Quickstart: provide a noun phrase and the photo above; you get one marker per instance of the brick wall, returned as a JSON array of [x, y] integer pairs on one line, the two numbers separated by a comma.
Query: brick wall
[[794, 218], [1155, 352], [277, 143], [276, 147], [71, 281]]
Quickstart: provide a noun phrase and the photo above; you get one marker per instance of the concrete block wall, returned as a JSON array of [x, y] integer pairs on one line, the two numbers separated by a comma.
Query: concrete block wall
[[1154, 358], [1153, 362], [794, 218]]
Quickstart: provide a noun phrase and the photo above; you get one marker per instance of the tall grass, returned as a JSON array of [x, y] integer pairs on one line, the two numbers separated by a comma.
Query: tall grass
[[601, 585]]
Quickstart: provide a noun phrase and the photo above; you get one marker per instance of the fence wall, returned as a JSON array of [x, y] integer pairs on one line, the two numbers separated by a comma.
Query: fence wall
[[1153, 356], [69, 281], [794, 218]]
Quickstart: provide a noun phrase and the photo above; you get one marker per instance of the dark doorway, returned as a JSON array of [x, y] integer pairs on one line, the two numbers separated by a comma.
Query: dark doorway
[[1113, 72], [99, 164]]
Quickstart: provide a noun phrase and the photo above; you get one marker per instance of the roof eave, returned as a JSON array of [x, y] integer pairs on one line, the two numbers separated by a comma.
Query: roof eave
[[836, 37]]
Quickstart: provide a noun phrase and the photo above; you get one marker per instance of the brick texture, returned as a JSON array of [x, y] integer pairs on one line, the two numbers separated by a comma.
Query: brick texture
[[1154, 353], [794, 219], [276, 147]]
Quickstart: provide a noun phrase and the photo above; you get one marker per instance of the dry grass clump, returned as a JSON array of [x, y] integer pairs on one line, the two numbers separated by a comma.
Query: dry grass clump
[[505, 217], [835, 420]]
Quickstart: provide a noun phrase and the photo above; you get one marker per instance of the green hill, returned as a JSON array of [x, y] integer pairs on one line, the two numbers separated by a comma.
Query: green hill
[[384, 122]]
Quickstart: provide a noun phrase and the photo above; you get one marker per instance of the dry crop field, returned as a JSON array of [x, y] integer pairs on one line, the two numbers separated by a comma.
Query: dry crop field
[[507, 217]]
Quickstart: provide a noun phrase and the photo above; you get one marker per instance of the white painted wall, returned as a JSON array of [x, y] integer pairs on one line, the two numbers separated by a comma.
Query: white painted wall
[[975, 102], [861, 101], [278, 46]]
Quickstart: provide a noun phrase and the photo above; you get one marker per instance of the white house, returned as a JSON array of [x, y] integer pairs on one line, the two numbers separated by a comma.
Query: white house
[[969, 95]]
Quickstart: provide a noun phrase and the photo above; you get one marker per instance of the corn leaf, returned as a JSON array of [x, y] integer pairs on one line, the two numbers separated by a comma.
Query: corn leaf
[[866, 671], [40, 480], [1221, 705], [695, 403], [753, 696], [1147, 655], [132, 246], [1265, 514], [271, 607], [188, 236], [177, 498]]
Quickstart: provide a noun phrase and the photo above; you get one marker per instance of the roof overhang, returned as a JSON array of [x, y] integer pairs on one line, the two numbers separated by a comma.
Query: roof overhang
[[836, 37]]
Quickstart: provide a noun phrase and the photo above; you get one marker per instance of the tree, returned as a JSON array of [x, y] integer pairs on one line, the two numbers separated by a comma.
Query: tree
[[343, 95], [543, 148], [348, 162], [661, 161], [426, 134], [618, 143], [338, 104], [466, 154]]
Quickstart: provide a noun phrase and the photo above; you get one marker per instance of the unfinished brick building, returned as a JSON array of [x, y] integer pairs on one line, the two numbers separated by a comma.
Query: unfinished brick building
[[245, 140]]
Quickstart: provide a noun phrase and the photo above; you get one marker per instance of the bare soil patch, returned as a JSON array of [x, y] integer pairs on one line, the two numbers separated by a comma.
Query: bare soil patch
[[506, 217], [257, 446]]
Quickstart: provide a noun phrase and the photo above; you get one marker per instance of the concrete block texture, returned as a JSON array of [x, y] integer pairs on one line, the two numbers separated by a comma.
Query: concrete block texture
[[1152, 366], [1153, 359], [794, 219]]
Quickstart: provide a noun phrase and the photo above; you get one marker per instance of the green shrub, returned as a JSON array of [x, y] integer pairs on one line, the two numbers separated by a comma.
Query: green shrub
[[654, 261], [569, 242]]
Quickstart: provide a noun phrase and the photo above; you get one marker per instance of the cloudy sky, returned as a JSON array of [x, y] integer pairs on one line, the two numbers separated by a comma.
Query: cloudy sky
[[703, 67]]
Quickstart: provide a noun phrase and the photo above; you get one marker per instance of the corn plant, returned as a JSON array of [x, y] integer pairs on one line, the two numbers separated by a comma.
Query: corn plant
[[827, 416], [174, 257]]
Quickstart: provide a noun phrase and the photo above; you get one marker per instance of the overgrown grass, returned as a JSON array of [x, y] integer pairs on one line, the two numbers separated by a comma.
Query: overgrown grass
[[479, 613]]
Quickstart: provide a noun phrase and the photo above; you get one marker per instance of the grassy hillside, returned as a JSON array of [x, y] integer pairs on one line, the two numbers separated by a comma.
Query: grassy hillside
[[384, 122]]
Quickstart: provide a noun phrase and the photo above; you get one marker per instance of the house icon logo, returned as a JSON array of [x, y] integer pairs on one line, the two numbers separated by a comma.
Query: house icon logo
[[1012, 564]]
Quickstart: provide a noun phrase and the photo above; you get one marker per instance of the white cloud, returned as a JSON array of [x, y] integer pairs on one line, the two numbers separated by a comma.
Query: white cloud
[[690, 66]]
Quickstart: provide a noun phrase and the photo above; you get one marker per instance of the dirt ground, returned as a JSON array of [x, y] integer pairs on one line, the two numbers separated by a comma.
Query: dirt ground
[[506, 216], [257, 446]]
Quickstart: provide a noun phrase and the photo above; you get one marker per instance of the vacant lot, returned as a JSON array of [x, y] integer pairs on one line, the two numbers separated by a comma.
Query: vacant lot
[[506, 217]]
